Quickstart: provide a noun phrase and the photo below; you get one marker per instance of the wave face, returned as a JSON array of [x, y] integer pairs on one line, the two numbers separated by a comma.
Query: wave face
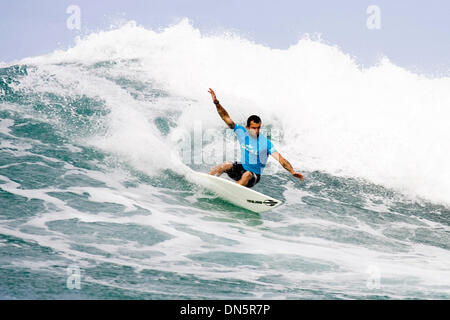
[[96, 142]]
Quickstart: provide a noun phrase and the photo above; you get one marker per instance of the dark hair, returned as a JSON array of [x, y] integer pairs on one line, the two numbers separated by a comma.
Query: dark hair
[[253, 118]]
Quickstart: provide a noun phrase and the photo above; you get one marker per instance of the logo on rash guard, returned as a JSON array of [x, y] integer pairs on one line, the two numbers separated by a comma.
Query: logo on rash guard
[[249, 148]]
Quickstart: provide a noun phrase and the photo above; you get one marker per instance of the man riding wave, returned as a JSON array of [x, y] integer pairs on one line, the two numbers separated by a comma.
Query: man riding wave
[[255, 149]]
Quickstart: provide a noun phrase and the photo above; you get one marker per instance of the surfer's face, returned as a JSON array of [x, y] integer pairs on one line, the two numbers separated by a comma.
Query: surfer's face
[[253, 129]]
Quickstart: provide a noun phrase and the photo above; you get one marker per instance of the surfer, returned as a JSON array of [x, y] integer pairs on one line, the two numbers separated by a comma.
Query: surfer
[[255, 148]]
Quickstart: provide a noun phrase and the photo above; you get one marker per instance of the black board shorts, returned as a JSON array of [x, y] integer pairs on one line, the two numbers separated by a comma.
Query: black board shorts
[[238, 170]]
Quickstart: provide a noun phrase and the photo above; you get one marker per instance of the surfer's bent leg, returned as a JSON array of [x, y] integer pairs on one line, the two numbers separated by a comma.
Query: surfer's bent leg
[[245, 178], [221, 168], [253, 180]]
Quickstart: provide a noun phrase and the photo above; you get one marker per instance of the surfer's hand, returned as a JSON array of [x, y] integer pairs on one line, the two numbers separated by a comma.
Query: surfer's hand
[[213, 95], [298, 175]]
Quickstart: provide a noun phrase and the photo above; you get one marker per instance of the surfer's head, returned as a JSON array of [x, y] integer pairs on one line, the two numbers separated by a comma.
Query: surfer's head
[[253, 125]]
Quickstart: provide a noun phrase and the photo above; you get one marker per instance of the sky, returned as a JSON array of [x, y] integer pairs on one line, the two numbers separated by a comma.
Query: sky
[[412, 34]]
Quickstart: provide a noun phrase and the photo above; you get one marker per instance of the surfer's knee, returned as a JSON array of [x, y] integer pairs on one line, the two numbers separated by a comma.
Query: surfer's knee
[[227, 166], [248, 175], [245, 178]]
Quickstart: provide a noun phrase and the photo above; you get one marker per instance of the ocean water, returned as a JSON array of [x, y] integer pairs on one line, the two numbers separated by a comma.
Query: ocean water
[[96, 140]]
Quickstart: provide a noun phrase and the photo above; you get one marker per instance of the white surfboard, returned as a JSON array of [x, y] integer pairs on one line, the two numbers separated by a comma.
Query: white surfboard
[[235, 193]]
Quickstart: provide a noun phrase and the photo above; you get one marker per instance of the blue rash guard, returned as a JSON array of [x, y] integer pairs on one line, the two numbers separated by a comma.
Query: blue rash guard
[[254, 151]]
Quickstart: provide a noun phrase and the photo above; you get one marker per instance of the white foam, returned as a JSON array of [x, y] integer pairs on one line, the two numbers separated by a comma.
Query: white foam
[[382, 123]]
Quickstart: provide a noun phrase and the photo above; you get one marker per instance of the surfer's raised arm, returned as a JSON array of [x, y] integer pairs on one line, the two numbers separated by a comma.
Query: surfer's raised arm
[[222, 112]]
